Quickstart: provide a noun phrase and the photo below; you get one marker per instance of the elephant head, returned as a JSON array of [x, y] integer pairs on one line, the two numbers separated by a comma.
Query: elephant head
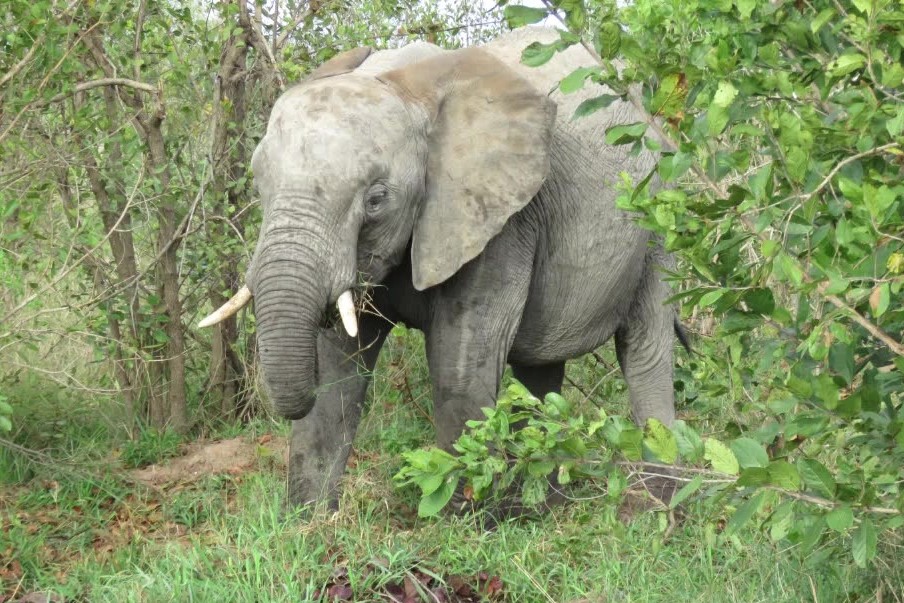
[[356, 169]]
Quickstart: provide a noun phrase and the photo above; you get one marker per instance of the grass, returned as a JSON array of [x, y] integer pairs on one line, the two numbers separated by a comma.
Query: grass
[[82, 528]]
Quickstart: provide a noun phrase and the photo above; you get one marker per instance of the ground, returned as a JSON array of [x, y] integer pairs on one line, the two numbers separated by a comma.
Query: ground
[[208, 523]]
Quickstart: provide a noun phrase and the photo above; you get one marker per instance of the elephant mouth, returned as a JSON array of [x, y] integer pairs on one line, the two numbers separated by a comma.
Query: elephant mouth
[[346, 310]]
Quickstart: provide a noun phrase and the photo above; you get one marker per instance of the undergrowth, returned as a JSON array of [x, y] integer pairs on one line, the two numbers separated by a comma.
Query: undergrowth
[[91, 532]]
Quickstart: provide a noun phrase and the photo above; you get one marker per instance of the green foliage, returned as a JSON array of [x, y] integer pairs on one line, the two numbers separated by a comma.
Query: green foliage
[[151, 446], [780, 126], [6, 413], [525, 441]]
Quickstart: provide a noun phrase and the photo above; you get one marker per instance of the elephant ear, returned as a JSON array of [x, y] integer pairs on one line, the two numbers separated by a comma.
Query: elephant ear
[[488, 154], [344, 62]]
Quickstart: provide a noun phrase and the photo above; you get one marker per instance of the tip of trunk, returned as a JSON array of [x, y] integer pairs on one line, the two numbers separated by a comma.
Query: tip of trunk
[[294, 407]]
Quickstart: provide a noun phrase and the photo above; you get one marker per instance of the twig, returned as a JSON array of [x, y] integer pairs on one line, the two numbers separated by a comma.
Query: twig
[[825, 182], [139, 32], [107, 81], [719, 477], [861, 320], [28, 56], [75, 264]]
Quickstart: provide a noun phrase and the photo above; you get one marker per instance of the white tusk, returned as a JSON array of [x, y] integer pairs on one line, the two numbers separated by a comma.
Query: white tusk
[[238, 301], [346, 305]]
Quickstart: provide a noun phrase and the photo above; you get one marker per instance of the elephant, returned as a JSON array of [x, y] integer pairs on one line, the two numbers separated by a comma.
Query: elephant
[[455, 190]]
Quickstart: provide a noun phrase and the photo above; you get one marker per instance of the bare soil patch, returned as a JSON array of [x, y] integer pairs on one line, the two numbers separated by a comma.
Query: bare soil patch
[[202, 459]]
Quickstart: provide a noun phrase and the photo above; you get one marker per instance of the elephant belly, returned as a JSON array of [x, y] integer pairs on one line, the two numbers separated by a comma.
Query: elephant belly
[[580, 295]]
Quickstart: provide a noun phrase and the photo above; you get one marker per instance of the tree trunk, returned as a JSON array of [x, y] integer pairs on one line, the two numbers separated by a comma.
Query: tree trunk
[[226, 374]]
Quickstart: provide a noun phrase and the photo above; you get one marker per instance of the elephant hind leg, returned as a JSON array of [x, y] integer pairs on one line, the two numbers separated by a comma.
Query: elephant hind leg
[[644, 345], [540, 380]]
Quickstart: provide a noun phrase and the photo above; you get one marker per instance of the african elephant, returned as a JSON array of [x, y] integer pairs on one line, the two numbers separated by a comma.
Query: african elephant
[[459, 192]]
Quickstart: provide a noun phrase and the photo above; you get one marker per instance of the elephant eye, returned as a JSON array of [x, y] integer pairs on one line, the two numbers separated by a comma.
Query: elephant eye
[[375, 197]]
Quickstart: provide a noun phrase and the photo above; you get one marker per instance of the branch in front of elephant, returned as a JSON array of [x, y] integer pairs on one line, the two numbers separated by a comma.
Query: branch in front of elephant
[[410, 396], [573, 384], [874, 330], [716, 477], [610, 372], [661, 134], [602, 361]]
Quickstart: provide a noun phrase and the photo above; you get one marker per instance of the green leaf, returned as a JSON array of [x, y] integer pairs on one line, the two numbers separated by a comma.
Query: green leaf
[[608, 39], [626, 133], [5, 423], [817, 477], [783, 474], [749, 453], [896, 125], [592, 105], [574, 81], [789, 268], [752, 476], [720, 456], [821, 19], [540, 468], [518, 16], [744, 513], [725, 95], [669, 97], [760, 300], [781, 521], [690, 445], [625, 436], [711, 297], [840, 518], [433, 503], [537, 54], [533, 491], [716, 119], [688, 489], [864, 542], [846, 64], [879, 299], [660, 441], [745, 7]]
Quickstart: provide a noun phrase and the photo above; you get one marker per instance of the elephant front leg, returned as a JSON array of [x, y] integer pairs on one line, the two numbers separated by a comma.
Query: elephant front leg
[[475, 317], [320, 443]]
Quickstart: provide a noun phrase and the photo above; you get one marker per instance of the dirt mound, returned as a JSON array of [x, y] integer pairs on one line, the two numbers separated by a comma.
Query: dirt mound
[[201, 459]]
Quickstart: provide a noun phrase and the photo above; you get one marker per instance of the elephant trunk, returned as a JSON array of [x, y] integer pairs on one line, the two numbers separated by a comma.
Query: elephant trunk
[[291, 292]]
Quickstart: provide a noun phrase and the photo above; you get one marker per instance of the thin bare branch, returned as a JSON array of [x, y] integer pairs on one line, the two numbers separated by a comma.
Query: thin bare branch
[[107, 81], [25, 60]]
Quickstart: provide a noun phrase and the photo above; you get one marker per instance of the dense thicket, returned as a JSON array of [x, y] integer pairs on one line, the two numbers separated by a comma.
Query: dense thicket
[[126, 212], [125, 207]]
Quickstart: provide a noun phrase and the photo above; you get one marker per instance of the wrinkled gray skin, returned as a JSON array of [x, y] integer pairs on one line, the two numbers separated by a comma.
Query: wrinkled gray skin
[[485, 213]]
